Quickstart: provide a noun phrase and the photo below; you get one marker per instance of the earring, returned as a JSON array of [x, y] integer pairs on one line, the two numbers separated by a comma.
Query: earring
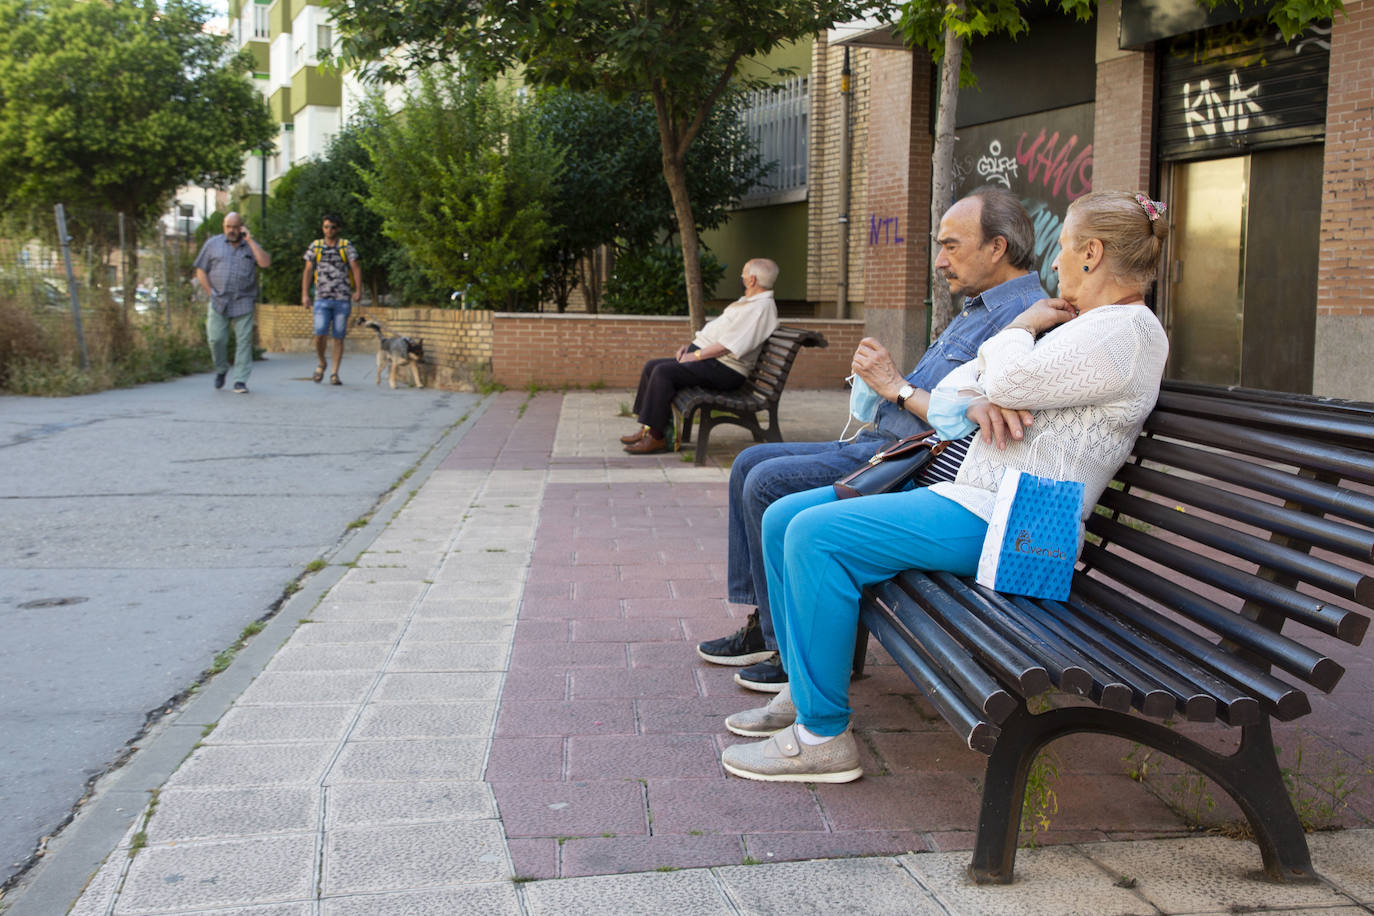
[[1086, 268]]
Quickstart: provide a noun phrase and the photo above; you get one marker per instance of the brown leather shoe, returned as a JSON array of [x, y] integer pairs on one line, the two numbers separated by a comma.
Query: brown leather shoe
[[634, 437], [647, 446]]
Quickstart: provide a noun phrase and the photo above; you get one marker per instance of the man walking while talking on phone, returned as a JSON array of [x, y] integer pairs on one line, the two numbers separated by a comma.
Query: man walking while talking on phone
[[227, 269]]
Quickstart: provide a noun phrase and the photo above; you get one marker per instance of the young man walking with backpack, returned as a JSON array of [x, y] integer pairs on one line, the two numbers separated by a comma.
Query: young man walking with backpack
[[331, 263]]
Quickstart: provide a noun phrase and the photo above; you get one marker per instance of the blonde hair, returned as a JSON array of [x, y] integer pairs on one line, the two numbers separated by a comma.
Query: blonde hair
[[1132, 241]]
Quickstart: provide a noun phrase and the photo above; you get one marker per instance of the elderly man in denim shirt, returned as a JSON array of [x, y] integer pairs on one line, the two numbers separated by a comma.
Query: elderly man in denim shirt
[[985, 255]]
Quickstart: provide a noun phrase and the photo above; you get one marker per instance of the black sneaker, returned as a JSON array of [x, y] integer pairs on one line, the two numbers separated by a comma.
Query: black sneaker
[[219, 380], [743, 647], [765, 677], [240, 388]]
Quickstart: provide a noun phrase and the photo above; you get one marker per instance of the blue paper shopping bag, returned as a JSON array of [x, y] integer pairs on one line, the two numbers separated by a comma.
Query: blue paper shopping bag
[[1032, 540]]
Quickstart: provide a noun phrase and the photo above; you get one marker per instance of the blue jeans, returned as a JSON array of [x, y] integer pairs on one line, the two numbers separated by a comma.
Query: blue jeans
[[331, 317], [761, 475], [820, 552]]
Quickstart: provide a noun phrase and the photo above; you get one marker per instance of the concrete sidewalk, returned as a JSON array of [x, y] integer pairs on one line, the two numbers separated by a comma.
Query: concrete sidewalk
[[496, 708]]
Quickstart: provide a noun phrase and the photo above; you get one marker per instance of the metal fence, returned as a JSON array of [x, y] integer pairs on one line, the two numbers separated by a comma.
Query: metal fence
[[777, 118]]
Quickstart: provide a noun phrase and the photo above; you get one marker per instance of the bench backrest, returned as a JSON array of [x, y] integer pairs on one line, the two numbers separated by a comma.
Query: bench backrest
[[775, 360], [1242, 512]]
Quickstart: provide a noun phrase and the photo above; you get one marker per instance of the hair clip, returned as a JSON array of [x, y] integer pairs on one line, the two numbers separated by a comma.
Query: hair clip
[[1154, 209]]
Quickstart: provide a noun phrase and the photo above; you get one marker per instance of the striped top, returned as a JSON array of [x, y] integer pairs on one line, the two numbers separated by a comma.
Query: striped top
[[946, 466]]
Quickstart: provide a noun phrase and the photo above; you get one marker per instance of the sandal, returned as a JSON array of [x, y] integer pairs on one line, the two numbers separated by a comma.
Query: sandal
[[319, 374], [334, 379]]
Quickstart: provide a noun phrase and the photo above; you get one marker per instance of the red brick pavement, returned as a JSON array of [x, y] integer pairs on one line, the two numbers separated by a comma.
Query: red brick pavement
[[606, 755]]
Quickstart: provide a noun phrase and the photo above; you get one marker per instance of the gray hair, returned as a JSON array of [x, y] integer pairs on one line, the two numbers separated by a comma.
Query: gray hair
[[765, 272], [1004, 216]]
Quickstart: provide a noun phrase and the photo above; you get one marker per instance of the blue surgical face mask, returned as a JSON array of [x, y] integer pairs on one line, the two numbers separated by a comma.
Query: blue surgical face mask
[[863, 405]]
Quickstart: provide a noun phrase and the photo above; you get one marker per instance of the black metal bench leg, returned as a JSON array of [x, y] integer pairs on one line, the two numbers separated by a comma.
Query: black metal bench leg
[[703, 438], [860, 650], [1251, 776]]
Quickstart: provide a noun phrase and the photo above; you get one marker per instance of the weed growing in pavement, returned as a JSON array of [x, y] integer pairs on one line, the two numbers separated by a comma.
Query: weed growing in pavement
[[315, 565], [624, 409], [205, 732], [291, 588], [750, 860], [225, 658], [1041, 800], [358, 523], [140, 839], [1320, 784]]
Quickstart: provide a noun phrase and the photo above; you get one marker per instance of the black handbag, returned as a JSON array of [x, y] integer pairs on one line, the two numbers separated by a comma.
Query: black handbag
[[892, 468]]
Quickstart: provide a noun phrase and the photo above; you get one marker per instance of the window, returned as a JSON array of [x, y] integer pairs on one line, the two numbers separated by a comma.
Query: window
[[262, 21], [324, 40], [776, 117]]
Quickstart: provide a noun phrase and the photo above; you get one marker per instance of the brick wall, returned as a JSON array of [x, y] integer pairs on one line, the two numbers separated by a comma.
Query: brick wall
[[458, 344], [464, 349], [898, 201], [823, 175], [1346, 284], [584, 350], [1122, 122]]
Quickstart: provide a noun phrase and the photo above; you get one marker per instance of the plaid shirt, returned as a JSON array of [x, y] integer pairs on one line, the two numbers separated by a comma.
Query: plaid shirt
[[233, 275]]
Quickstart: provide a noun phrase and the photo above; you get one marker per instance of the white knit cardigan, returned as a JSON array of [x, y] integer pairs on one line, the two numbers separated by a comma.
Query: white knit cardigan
[[1089, 384]]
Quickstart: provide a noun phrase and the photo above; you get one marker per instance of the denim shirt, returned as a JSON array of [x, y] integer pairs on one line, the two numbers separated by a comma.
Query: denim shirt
[[981, 317]]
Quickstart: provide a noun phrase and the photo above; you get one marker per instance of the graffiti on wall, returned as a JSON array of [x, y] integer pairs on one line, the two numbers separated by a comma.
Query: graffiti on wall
[[1045, 159], [884, 230], [1207, 112]]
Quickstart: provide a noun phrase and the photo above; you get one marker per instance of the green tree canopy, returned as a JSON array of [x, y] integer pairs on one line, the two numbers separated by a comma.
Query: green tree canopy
[[611, 190], [334, 184], [463, 182], [117, 104], [682, 55]]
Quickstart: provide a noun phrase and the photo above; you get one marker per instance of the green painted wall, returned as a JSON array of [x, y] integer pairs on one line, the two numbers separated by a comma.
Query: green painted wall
[[279, 102], [312, 86], [281, 17], [795, 57], [769, 232], [261, 50]]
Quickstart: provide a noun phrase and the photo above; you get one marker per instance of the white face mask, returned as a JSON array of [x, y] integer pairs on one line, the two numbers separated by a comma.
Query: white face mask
[[863, 405]]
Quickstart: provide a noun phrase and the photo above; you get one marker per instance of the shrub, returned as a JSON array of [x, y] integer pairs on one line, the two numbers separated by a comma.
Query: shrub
[[649, 281]]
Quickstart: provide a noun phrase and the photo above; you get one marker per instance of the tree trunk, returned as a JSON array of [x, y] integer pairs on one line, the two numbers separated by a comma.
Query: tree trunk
[[675, 173], [942, 178]]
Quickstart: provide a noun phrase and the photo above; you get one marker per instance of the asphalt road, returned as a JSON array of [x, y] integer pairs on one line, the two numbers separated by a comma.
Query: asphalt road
[[141, 530]]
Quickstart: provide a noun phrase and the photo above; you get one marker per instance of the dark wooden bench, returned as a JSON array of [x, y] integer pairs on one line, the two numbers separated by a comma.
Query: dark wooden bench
[[1241, 525], [742, 406]]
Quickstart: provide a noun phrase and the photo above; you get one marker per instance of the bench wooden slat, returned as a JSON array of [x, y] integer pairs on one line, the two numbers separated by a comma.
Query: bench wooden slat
[[1009, 663], [1307, 609], [1201, 694], [1327, 534], [1316, 494], [1323, 574], [1334, 459], [942, 650], [977, 733], [1065, 672], [1284, 653]]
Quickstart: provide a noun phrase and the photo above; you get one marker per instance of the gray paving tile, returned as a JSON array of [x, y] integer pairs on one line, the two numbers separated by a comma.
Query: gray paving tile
[[437, 687], [380, 572], [190, 814], [375, 804], [369, 585], [449, 602], [1053, 881], [398, 759], [494, 899], [294, 688], [367, 657], [427, 629], [682, 893], [870, 886], [414, 856], [331, 608], [346, 631], [233, 872], [472, 718], [508, 589], [99, 893], [1346, 858], [1205, 873], [451, 656], [240, 766], [274, 724]]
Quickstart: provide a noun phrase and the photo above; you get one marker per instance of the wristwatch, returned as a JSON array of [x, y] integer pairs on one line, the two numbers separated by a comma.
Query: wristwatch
[[903, 393]]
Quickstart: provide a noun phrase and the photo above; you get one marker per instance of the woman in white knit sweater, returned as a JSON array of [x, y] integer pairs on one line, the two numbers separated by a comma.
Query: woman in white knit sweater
[[1073, 378]]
